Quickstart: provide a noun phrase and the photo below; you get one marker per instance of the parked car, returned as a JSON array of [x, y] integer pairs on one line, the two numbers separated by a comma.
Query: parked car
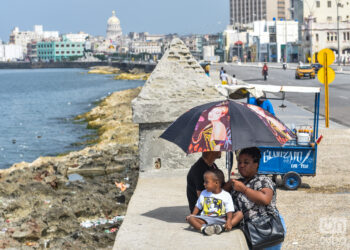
[[304, 71], [316, 67]]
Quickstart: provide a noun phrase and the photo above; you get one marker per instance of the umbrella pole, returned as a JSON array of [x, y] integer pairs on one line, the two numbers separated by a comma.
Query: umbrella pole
[[229, 163]]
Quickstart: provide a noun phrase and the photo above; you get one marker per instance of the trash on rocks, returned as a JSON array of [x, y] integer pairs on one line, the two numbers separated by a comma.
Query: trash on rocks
[[30, 243], [101, 221], [122, 186], [112, 230], [47, 201]]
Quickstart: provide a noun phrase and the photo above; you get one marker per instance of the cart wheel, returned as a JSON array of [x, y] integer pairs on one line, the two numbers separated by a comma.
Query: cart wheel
[[291, 181]]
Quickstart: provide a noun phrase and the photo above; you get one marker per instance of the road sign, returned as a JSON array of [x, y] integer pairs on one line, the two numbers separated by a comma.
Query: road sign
[[326, 57], [322, 75]]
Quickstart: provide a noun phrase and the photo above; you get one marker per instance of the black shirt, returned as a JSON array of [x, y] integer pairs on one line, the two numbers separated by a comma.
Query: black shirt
[[195, 181]]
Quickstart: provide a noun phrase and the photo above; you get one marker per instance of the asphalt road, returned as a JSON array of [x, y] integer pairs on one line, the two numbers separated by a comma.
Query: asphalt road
[[339, 90]]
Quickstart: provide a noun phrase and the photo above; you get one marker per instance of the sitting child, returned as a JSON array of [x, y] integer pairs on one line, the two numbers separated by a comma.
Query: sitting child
[[216, 205]]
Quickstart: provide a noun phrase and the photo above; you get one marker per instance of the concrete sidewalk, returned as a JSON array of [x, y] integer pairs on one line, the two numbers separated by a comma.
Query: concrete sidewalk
[[156, 217]]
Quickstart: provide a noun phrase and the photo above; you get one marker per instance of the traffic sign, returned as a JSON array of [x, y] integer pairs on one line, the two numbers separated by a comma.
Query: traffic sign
[[322, 75], [326, 57]]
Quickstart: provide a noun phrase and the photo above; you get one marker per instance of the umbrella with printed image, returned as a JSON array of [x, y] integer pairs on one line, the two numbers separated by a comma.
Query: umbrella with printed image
[[226, 126]]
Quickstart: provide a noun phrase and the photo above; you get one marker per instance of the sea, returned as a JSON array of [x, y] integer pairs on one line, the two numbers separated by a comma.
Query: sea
[[38, 107]]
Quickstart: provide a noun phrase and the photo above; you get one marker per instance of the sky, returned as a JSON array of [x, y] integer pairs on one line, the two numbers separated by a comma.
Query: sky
[[90, 16]]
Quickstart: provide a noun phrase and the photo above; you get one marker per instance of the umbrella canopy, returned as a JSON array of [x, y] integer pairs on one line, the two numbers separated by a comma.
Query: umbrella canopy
[[226, 126]]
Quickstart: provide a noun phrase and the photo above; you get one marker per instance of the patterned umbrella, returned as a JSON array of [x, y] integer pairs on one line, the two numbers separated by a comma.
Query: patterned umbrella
[[226, 126]]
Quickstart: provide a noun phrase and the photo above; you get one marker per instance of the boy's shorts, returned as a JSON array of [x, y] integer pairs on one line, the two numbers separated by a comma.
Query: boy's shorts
[[210, 220]]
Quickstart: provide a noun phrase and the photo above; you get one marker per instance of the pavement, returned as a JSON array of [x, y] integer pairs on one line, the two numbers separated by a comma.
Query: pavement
[[155, 217], [290, 66]]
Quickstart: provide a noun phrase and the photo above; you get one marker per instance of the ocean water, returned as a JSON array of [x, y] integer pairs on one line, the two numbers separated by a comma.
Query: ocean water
[[38, 107]]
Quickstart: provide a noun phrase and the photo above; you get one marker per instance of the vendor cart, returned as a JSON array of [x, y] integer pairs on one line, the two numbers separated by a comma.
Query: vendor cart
[[296, 158]]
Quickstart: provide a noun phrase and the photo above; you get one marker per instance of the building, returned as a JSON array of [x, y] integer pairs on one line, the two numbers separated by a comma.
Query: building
[[248, 11], [22, 38], [318, 26], [150, 47], [77, 37], [32, 53], [195, 45], [114, 31], [272, 41], [59, 51], [10, 52], [325, 35]]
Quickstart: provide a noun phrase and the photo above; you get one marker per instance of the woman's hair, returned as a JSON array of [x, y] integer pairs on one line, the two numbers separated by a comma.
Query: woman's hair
[[253, 152], [218, 175]]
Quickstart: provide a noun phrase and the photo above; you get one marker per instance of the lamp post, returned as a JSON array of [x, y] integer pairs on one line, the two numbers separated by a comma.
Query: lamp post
[[338, 38]]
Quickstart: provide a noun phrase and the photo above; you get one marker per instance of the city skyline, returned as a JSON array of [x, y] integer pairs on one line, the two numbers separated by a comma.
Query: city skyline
[[153, 16]]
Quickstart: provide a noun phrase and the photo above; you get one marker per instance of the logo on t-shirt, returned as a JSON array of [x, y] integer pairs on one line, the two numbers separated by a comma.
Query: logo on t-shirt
[[213, 207]]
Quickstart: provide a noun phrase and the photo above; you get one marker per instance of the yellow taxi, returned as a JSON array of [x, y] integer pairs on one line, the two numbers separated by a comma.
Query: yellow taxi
[[305, 71]]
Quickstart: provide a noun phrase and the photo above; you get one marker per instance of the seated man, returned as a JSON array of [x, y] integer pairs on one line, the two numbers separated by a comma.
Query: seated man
[[263, 103]]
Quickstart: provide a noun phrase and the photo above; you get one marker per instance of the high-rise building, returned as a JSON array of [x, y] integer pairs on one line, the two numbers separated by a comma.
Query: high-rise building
[[248, 11]]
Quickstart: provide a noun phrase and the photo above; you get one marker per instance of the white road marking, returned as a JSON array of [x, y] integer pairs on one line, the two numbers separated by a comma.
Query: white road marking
[[344, 97]]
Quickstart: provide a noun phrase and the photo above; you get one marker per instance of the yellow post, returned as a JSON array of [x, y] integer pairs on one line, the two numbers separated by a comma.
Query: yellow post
[[326, 91]]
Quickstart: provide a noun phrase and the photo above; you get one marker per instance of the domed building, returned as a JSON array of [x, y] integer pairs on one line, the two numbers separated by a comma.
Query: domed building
[[114, 31]]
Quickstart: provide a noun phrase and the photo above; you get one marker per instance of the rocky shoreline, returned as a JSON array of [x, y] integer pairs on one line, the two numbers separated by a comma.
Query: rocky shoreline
[[132, 74], [78, 200]]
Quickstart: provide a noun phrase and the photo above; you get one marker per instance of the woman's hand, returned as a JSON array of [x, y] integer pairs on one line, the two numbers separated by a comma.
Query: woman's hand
[[239, 186], [228, 186]]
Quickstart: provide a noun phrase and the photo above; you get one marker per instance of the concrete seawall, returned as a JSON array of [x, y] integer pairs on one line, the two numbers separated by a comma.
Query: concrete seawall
[[147, 67]]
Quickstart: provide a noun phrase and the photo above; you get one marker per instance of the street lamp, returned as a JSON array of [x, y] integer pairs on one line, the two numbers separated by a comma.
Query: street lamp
[[338, 38]]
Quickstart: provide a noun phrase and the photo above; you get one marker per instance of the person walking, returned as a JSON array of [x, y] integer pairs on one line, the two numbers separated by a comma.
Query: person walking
[[265, 70]]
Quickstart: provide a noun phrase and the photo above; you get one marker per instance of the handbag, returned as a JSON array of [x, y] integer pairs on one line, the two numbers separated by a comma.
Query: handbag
[[265, 231]]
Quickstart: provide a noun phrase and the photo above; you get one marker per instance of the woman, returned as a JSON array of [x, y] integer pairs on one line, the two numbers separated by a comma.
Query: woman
[[254, 195]]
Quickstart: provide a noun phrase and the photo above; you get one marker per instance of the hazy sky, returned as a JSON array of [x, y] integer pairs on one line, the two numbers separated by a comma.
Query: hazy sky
[[153, 16]]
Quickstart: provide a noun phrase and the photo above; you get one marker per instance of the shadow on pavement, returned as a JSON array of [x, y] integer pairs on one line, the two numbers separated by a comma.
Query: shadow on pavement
[[176, 214]]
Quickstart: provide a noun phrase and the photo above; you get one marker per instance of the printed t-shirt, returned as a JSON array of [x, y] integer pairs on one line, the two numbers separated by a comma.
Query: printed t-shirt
[[215, 204]]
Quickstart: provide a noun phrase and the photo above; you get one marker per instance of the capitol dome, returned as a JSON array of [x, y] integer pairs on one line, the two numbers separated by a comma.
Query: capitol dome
[[113, 19], [114, 31]]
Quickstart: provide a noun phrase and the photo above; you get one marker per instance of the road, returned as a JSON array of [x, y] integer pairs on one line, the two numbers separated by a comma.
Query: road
[[339, 90]]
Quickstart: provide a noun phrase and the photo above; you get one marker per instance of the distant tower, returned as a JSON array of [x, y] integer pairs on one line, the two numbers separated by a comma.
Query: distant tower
[[114, 31]]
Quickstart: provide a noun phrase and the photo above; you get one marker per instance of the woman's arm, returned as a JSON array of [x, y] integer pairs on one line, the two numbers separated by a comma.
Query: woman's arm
[[261, 197]]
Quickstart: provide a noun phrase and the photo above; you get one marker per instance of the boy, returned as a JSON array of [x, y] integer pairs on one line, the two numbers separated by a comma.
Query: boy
[[216, 205]]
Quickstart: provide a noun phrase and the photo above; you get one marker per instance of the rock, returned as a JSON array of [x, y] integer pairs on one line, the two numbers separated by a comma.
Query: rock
[[105, 70], [129, 76], [31, 192]]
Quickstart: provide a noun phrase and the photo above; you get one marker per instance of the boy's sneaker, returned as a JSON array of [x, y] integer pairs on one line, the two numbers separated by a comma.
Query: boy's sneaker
[[219, 228], [208, 230]]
